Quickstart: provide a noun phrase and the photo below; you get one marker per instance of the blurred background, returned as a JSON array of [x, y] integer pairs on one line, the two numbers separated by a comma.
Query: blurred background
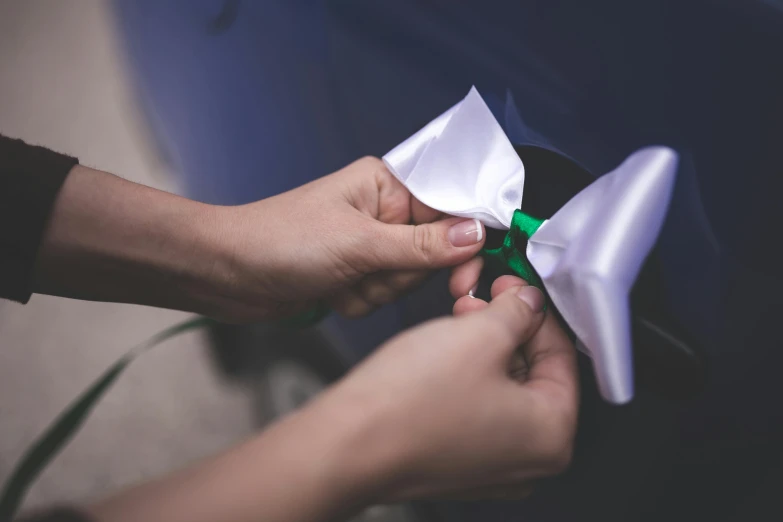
[[229, 101], [64, 83]]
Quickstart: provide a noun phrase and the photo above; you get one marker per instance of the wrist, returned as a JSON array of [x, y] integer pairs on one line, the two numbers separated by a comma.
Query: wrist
[[232, 281], [368, 451], [314, 464], [207, 271]]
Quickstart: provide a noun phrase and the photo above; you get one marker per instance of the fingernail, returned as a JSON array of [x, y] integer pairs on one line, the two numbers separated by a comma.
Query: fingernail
[[533, 297], [472, 291], [466, 233]]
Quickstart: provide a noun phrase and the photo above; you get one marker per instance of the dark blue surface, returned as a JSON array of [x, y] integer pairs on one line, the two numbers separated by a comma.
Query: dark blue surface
[[272, 94]]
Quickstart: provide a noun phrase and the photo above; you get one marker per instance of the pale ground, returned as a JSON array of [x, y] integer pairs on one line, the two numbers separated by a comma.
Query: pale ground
[[63, 84]]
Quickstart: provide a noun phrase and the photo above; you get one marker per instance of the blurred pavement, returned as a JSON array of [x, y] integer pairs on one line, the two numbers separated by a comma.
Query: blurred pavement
[[63, 85]]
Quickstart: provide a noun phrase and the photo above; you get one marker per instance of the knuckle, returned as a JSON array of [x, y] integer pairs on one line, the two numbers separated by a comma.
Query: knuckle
[[368, 249], [401, 281], [378, 293], [369, 163], [356, 309], [505, 281], [513, 318], [424, 243], [352, 307]]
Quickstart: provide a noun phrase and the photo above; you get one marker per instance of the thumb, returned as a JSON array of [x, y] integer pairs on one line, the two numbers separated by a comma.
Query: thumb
[[512, 318], [439, 244]]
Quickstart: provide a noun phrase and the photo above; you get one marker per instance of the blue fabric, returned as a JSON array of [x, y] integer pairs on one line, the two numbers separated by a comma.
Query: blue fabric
[[292, 90]]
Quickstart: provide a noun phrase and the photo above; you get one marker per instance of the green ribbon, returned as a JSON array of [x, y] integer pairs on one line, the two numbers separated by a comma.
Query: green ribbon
[[511, 255], [64, 427]]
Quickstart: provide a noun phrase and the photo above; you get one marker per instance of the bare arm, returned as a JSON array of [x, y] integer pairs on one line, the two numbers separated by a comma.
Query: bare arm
[[314, 465], [434, 411], [113, 240], [345, 238]]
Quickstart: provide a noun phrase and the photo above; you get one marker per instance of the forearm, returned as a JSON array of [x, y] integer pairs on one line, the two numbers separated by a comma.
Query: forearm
[[311, 466], [113, 240]]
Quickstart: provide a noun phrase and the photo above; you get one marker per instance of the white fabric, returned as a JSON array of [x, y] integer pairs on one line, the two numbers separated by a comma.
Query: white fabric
[[588, 254], [462, 164]]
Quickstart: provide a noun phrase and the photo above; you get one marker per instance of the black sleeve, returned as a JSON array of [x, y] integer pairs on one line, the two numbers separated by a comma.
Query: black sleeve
[[58, 515], [30, 178]]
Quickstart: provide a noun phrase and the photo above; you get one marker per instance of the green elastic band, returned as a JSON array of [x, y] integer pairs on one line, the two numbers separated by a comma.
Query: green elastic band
[[62, 429], [511, 255]]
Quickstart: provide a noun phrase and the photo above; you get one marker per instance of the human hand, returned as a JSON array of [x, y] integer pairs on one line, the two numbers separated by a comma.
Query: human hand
[[477, 405], [355, 238]]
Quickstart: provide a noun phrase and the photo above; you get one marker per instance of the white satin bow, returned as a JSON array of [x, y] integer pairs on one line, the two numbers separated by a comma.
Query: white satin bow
[[462, 164], [588, 254]]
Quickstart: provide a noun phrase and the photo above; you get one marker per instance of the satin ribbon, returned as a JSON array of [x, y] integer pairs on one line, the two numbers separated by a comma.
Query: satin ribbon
[[462, 164], [587, 255], [511, 254]]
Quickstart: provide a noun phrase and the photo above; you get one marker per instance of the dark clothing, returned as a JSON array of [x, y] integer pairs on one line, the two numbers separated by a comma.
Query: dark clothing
[[30, 178], [58, 515]]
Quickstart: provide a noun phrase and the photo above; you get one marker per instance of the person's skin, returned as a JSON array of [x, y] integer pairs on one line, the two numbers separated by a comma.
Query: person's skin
[[355, 238], [451, 408]]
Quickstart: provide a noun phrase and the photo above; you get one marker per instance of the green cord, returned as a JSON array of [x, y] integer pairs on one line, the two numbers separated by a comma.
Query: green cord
[[510, 256], [64, 427]]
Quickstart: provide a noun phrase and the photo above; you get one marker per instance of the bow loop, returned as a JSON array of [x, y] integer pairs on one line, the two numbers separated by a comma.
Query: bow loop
[[462, 164], [586, 256]]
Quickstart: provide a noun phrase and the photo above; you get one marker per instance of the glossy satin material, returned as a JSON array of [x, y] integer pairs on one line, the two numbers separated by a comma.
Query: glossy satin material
[[511, 254], [590, 253], [462, 164], [593, 81]]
